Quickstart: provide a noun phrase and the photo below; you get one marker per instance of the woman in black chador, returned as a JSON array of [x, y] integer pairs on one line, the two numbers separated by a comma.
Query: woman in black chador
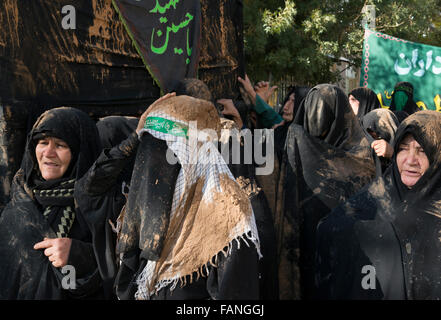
[[381, 125], [363, 100], [384, 243], [327, 160], [43, 229]]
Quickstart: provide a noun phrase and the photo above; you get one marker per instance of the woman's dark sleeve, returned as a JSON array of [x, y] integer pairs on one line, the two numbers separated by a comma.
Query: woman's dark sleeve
[[82, 258], [85, 275], [95, 195], [105, 171]]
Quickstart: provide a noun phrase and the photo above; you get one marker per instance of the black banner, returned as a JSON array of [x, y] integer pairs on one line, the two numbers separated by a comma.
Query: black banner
[[93, 65], [166, 34]]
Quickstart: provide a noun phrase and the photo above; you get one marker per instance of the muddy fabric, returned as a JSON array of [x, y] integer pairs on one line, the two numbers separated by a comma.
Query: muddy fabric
[[27, 273], [383, 122], [157, 182], [194, 88], [407, 88], [368, 101], [327, 159], [181, 245], [390, 227], [222, 60], [94, 66]]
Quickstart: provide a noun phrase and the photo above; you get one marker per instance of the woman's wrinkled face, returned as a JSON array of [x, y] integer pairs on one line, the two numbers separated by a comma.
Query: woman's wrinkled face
[[288, 108], [355, 104], [412, 162], [53, 157]]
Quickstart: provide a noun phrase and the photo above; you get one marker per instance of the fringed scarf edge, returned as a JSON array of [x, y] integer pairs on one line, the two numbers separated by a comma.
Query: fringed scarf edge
[[142, 279]]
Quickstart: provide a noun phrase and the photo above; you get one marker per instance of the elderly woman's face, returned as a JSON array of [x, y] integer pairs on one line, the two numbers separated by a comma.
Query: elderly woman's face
[[53, 157], [412, 162]]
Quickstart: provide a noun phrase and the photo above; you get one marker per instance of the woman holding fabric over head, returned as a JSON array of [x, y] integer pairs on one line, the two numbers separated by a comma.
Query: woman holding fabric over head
[[384, 243], [42, 229], [191, 233]]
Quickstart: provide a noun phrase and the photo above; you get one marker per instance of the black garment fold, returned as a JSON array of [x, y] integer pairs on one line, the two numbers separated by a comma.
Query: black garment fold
[[327, 159]]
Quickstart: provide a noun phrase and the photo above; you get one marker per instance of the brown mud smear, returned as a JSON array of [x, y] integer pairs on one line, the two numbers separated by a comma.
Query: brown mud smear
[[188, 109], [201, 230]]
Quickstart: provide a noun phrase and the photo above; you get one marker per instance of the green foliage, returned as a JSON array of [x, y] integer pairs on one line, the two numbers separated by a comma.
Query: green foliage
[[304, 38], [280, 20]]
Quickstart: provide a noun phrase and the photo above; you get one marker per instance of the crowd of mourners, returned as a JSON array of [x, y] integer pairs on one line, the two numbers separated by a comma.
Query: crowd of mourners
[[351, 210]]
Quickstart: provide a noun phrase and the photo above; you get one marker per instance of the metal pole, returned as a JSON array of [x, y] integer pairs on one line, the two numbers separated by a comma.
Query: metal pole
[[369, 16]]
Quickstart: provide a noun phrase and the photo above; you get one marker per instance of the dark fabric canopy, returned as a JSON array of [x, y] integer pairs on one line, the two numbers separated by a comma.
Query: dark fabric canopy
[[94, 66]]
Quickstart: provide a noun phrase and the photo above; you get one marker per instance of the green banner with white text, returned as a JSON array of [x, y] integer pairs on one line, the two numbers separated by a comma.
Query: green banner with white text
[[166, 34], [388, 60]]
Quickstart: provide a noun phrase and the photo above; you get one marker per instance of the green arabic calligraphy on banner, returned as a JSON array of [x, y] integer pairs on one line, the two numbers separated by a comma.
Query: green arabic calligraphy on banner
[[166, 126], [166, 34], [388, 60]]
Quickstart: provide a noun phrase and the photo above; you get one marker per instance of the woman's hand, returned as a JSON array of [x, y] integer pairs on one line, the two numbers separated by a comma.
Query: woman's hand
[[57, 250], [263, 89], [382, 148], [230, 110], [141, 122], [248, 88]]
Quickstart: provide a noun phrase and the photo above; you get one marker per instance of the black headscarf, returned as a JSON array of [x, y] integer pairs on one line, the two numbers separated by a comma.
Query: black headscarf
[[327, 160], [27, 273], [383, 122], [113, 130], [325, 114], [300, 93], [73, 126], [78, 131], [411, 106], [368, 100], [401, 115], [424, 128], [280, 132], [390, 227]]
